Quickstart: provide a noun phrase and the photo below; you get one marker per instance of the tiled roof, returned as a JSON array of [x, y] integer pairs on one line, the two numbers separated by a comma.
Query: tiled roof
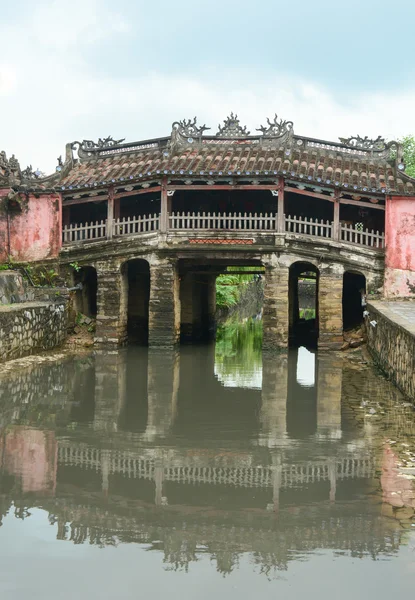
[[319, 164], [355, 165]]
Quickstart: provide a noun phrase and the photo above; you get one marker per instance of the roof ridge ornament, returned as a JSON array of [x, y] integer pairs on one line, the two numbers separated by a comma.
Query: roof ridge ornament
[[232, 128], [189, 129], [277, 128], [356, 141], [107, 142]]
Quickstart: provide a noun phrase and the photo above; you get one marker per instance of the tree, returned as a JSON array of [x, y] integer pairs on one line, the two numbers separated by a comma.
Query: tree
[[408, 144]]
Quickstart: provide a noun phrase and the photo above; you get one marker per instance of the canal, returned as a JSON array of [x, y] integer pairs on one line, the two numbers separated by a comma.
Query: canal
[[208, 472]]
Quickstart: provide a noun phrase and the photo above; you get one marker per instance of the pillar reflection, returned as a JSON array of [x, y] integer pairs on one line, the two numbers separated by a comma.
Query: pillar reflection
[[110, 389], [162, 389], [273, 412], [329, 395]]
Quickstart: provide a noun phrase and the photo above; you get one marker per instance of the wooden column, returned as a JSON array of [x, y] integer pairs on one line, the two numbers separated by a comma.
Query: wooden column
[[165, 205], [281, 215], [335, 233], [110, 212]]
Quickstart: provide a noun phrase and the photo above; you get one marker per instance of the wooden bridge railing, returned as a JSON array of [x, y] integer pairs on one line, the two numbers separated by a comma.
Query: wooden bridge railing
[[305, 226], [363, 237], [132, 225], [71, 234], [210, 221], [223, 221]]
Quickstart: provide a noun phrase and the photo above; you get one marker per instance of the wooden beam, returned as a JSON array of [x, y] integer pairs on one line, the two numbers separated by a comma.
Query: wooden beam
[[84, 200], [156, 188], [221, 187], [364, 204], [310, 194]]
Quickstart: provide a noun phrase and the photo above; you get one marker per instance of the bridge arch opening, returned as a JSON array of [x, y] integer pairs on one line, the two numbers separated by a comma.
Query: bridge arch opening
[[303, 304], [137, 275], [353, 300], [86, 298], [209, 293]]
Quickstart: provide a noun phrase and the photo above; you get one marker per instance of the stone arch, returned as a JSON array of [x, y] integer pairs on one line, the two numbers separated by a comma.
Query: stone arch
[[86, 297], [135, 274], [353, 298], [303, 294]]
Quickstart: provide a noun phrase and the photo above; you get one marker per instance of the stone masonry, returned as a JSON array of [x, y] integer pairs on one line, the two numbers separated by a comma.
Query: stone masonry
[[30, 327]]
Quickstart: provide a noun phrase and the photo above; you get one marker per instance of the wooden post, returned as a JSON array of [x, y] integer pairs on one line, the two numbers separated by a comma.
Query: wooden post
[[110, 213], [335, 232], [164, 208], [281, 216]]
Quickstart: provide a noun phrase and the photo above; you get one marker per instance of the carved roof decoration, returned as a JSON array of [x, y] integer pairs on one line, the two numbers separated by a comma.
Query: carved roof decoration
[[191, 154], [365, 143], [232, 128], [276, 128]]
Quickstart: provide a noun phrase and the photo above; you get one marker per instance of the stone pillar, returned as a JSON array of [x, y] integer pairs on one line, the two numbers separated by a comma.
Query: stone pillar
[[273, 413], [330, 308], [329, 395], [110, 390], [164, 308], [162, 389], [112, 295], [275, 311]]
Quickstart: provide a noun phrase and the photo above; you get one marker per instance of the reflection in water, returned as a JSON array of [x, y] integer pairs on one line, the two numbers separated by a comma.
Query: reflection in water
[[190, 455], [238, 354]]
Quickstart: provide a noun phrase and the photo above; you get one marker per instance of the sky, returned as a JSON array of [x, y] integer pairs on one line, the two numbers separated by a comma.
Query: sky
[[86, 69]]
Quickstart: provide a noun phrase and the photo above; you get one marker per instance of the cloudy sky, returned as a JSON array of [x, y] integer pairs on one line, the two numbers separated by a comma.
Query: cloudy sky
[[92, 68]]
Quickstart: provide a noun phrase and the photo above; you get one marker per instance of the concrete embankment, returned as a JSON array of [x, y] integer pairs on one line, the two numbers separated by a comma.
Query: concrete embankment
[[391, 341], [31, 319]]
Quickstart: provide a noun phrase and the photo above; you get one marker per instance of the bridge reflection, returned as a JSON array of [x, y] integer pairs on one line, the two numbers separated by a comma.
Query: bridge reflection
[[134, 447]]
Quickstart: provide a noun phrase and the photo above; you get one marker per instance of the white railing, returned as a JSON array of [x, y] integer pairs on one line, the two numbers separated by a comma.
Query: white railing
[[186, 221], [223, 221], [133, 225], [363, 237], [84, 231], [304, 226]]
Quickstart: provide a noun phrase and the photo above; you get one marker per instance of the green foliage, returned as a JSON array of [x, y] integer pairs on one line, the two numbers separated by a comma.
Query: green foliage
[[227, 290], [307, 313], [229, 287], [41, 276], [408, 143], [238, 346], [75, 266]]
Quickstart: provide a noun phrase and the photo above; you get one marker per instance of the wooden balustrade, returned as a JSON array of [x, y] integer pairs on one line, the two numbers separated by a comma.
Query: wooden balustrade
[[304, 226], [363, 237], [133, 225], [211, 221], [223, 221], [83, 232]]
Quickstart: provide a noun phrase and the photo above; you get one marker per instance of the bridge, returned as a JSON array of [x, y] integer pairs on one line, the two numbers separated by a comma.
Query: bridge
[[151, 224]]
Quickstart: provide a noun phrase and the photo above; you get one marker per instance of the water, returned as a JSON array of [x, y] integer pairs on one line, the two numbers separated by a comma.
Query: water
[[207, 473]]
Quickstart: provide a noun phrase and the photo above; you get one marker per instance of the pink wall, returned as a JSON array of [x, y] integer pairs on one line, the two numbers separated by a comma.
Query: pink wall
[[400, 247], [35, 231]]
